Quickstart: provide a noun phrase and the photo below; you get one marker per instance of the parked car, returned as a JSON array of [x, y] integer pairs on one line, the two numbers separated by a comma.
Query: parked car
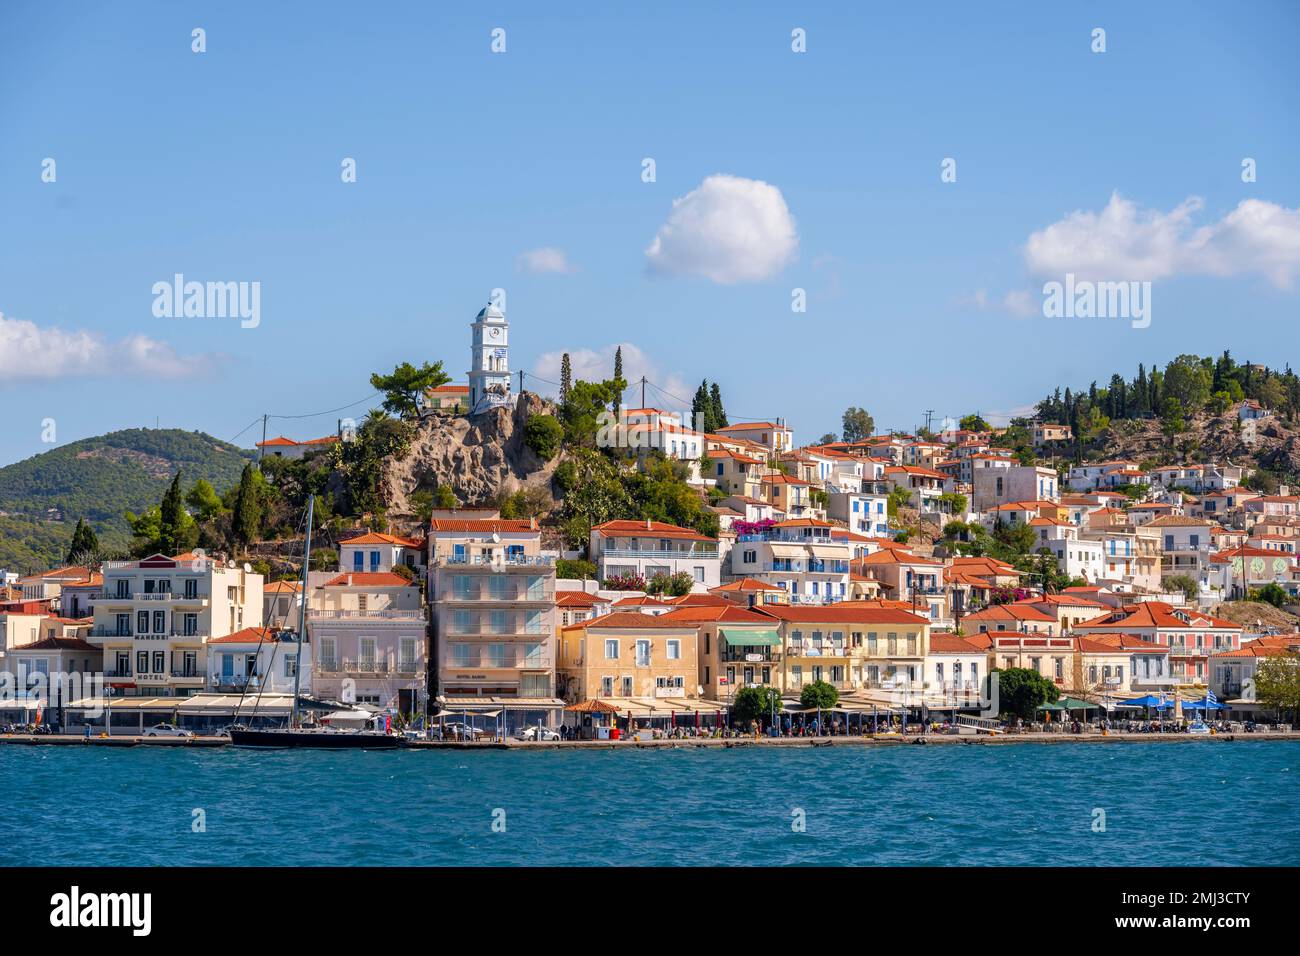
[[536, 733], [167, 730]]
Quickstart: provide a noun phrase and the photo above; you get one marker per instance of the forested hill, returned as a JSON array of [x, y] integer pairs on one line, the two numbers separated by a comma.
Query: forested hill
[[99, 479]]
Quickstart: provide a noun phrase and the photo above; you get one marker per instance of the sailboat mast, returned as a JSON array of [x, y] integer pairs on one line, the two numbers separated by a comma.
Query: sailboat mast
[[302, 609]]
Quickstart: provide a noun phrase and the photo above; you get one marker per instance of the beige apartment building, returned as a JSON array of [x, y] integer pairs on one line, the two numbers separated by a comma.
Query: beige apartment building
[[627, 656], [154, 617], [493, 597]]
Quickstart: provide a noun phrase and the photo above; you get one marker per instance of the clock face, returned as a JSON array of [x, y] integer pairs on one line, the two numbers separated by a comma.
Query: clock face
[[494, 332]]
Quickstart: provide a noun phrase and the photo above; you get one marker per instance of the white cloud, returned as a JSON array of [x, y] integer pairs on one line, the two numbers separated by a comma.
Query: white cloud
[[545, 261], [31, 353], [1017, 302], [1123, 242], [728, 230], [597, 365]]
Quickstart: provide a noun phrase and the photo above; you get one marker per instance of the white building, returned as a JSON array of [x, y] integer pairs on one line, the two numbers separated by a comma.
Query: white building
[[155, 616], [649, 548], [489, 374], [800, 557], [258, 659]]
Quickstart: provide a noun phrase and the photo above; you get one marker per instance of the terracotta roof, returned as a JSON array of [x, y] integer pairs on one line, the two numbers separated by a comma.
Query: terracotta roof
[[375, 537], [746, 584], [629, 620], [58, 644], [650, 529], [369, 579], [953, 644], [844, 613], [480, 525], [728, 613], [1011, 612], [576, 599], [249, 635]]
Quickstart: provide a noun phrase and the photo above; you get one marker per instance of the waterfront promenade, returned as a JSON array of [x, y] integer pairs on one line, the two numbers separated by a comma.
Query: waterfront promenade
[[879, 740]]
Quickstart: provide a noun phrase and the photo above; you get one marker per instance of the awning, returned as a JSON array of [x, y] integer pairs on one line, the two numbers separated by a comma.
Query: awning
[[739, 638], [830, 551], [787, 550]]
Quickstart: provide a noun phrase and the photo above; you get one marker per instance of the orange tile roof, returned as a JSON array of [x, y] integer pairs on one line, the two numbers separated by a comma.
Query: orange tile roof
[[746, 584], [375, 537], [652, 529], [480, 525], [629, 620], [369, 579], [843, 613]]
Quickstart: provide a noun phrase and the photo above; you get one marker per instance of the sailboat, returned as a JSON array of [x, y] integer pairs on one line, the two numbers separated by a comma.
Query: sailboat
[[296, 735]]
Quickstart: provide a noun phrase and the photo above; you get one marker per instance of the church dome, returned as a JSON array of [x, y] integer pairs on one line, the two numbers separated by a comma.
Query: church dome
[[490, 312]]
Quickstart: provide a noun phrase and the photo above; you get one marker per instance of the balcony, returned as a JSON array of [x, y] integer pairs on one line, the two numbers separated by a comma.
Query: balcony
[[486, 630], [511, 595], [703, 554], [479, 658], [732, 656], [152, 597], [826, 650], [366, 667], [381, 614], [112, 632], [495, 560]]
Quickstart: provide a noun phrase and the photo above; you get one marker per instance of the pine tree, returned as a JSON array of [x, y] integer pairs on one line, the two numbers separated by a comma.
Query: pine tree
[[566, 377], [248, 508], [84, 545], [719, 413], [172, 517]]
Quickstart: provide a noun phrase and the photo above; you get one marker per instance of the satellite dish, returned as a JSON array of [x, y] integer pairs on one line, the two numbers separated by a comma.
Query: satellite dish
[[248, 568], [496, 537]]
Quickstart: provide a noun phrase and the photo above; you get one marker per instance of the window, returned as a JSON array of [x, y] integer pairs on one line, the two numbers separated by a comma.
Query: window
[[142, 662], [642, 653], [191, 626], [367, 650], [328, 650], [123, 663], [674, 650], [496, 655], [408, 651], [627, 687], [142, 622], [374, 560], [607, 683], [123, 625], [160, 622], [611, 650], [191, 588], [290, 665], [460, 655], [699, 573], [358, 561]]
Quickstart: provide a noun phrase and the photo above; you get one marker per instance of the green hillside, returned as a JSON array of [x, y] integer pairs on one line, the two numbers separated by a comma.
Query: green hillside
[[99, 479]]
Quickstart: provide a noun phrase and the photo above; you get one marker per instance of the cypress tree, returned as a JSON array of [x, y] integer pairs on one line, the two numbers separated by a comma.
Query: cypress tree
[[169, 531], [566, 377], [719, 413], [618, 364], [248, 509], [702, 408], [84, 542]]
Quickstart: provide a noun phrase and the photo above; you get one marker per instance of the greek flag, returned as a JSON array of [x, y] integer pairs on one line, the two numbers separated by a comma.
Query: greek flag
[[1210, 699]]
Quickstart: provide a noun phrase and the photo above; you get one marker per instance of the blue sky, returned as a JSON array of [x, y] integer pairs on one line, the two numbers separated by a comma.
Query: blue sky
[[225, 166]]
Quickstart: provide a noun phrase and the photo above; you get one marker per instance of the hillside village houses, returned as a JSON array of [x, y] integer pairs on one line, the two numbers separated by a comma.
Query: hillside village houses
[[808, 579]]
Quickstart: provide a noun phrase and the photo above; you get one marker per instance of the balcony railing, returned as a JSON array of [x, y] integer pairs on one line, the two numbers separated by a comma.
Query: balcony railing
[[518, 560], [486, 630], [366, 667], [520, 661], [384, 614], [118, 632], [543, 595], [684, 555]]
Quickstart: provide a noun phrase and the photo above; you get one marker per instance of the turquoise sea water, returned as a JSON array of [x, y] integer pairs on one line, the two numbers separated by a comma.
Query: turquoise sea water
[[1173, 804]]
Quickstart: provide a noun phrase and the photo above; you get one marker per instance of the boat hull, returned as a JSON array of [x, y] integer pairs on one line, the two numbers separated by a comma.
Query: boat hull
[[313, 740]]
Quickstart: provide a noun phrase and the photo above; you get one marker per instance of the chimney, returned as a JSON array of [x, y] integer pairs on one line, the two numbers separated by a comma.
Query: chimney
[[647, 524], [349, 580]]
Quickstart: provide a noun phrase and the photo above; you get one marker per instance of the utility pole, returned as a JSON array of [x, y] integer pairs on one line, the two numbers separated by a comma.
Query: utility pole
[[261, 447], [521, 381], [643, 391]]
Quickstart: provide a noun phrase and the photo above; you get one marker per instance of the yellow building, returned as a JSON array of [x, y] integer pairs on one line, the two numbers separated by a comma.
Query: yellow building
[[737, 648], [850, 646], [626, 654]]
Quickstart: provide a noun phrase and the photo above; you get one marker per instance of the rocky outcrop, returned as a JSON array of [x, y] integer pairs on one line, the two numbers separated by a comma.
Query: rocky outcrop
[[480, 457]]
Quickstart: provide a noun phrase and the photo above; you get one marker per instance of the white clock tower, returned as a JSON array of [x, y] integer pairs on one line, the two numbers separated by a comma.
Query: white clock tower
[[489, 374]]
